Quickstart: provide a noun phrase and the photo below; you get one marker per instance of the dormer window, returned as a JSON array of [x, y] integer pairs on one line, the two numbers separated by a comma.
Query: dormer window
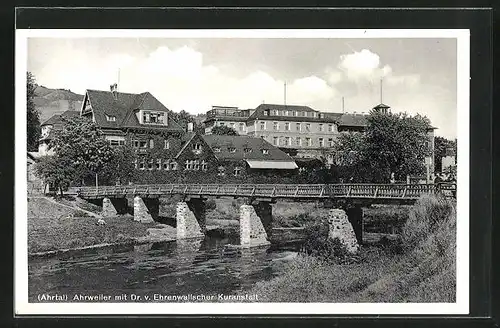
[[166, 145], [216, 149], [265, 151], [110, 118], [266, 112], [197, 146], [231, 149], [151, 117], [247, 150]]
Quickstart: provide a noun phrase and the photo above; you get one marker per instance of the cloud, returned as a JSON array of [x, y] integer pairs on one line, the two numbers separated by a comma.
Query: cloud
[[179, 79], [363, 65]]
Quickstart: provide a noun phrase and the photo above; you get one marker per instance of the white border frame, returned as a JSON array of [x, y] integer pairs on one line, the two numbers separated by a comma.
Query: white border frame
[[21, 305]]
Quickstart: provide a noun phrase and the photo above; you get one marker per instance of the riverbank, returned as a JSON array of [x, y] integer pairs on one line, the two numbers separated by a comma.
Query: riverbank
[[57, 227], [422, 270]]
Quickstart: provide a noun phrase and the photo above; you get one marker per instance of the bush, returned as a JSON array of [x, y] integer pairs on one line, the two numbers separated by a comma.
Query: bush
[[423, 219], [80, 214], [210, 205]]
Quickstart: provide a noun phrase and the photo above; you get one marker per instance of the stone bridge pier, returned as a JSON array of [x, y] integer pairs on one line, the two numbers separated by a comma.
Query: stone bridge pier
[[111, 206], [146, 209], [190, 217], [255, 223]]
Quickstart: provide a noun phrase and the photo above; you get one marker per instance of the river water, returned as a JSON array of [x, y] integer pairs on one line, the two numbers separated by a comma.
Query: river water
[[199, 267]]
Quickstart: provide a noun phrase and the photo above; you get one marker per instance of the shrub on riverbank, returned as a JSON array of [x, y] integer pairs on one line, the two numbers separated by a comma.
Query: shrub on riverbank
[[423, 272]]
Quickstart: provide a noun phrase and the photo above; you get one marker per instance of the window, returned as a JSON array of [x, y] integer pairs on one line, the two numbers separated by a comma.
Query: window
[[321, 142], [166, 145], [320, 128], [231, 149], [288, 141], [275, 141], [197, 146], [158, 164], [115, 142], [285, 113], [237, 171], [276, 126], [294, 113], [150, 164], [140, 144], [188, 165], [222, 124], [151, 143], [297, 126], [216, 149], [173, 165], [330, 142], [231, 125], [149, 117], [308, 127], [330, 127], [287, 126], [262, 125], [308, 142], [204, 166], [242, 126], [166, 165], [142, 165], [265, 151], [221, 171], [196, 165], [136, 165], [298, 141], [266, 112], [247, 150], [110, 118], [275, 112]]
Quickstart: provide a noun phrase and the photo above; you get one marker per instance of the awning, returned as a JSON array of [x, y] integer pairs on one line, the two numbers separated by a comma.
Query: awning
[[280, 165]]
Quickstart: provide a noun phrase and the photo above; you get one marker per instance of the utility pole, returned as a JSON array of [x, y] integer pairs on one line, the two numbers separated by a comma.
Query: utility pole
[[381, 81], [285, 94], [342, 105]]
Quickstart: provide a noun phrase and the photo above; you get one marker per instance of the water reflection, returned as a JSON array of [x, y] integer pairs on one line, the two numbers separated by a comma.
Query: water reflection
[[204, 266]]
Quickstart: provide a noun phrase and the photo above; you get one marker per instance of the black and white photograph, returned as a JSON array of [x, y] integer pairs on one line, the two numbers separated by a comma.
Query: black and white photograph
[[221, 171]]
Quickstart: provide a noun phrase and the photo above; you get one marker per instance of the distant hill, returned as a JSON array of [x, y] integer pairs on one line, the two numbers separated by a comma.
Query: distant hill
[[55, 101]]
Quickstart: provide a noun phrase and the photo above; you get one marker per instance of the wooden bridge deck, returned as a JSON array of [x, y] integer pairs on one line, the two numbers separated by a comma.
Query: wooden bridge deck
[[400, 192]]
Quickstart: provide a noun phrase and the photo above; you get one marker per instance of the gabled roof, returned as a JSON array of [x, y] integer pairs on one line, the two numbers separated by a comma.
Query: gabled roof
[[124, 108], [240, 143], [57, 119]]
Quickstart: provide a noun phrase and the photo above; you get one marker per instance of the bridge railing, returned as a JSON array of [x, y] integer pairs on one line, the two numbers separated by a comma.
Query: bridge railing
[[402, 191]]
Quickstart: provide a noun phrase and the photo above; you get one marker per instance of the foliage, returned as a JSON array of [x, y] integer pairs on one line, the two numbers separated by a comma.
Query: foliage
[[223, 130], [33, 120], [120, 169], [440, 146], [318, 244], [58, 171], [392, 143], [183, 118], [427, 213], [81, 142]]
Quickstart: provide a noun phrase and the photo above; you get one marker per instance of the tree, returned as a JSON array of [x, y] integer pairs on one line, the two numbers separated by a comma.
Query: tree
[[395, 143], [121, 167], [56, 171], [392, 143], [81, 141], [223, 130], [33, 120]]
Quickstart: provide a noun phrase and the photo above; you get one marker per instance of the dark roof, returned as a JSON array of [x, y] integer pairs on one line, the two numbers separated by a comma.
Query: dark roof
[[240, 143], [381, 105], [57, 119], [259, 113], [124, 108], [353, 120]]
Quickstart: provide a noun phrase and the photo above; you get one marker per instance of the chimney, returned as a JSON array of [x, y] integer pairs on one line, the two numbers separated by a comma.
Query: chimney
[[190, 127], [114, 90]]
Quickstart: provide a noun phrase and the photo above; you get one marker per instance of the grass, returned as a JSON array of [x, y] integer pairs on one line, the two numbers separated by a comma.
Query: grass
[[422, 271], [52, 227]]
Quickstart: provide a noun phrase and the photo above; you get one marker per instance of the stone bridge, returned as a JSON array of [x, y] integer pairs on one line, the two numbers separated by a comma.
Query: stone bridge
[[256, 212]]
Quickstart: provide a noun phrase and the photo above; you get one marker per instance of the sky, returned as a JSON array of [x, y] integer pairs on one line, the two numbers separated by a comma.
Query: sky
[[418, 75]]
